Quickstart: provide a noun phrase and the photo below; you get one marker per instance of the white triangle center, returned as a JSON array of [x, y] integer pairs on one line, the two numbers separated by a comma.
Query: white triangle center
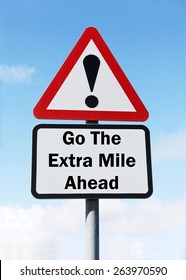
[[75, 89]]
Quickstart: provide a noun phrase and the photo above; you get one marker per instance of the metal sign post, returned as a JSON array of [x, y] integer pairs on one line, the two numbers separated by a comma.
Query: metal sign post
[[92, 224], [91, 161], [92, 229]]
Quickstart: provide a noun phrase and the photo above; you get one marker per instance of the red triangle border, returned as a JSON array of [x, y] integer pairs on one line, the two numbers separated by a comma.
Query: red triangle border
[[40, 111]]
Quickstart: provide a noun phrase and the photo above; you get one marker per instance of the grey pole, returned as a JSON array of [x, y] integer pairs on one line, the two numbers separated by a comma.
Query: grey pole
[[92, 229], [92, 225]]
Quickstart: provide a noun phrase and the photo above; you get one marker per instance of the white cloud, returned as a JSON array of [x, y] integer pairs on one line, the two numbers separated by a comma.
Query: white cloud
[[16, 74], [145, 229], [170, 146], [38, 232], [145, 216]]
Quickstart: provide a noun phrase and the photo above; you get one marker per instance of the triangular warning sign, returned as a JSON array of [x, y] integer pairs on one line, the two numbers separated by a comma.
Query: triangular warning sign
[[90, 85]]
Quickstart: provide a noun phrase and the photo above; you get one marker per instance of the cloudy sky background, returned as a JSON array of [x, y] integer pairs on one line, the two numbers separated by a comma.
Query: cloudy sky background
[[148, 39]]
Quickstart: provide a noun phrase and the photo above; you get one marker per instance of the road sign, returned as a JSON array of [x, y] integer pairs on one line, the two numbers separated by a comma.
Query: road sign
[[91, 161], [90, 85]]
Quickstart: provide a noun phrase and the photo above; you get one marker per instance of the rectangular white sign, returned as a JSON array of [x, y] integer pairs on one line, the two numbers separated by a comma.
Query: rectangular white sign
[[91, 161]]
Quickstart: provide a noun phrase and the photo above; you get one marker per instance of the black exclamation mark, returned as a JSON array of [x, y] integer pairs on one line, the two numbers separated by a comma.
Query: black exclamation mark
[[91, 64]]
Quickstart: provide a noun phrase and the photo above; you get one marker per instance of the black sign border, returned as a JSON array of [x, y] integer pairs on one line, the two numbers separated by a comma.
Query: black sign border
[[90, 196]]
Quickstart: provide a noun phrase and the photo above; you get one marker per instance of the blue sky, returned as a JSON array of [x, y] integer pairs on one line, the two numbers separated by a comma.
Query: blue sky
[[148, 39]]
